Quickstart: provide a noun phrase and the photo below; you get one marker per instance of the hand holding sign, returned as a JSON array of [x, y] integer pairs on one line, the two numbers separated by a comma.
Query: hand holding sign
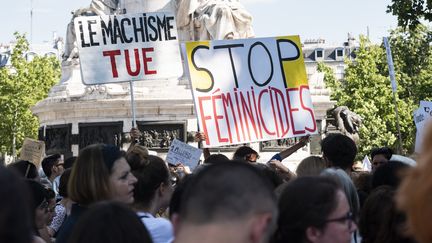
[[180, 152]]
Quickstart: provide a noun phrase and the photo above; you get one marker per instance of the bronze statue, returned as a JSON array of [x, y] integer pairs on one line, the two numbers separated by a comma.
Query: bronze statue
[[346, 121]]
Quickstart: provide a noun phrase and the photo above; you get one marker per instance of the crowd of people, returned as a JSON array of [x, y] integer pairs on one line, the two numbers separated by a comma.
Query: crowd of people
[[109, 195]]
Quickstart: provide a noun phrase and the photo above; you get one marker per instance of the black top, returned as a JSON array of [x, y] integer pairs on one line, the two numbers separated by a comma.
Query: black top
[[66, 229]]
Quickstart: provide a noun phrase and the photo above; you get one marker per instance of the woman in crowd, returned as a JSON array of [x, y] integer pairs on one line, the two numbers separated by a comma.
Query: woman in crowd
[[311, 166], [47, 233], [100, 173], [316, 210], [380, 221], [25, 169], [15, 216], [152, 193], [120, 224], [62, 209], [414, 195], [39, 207]]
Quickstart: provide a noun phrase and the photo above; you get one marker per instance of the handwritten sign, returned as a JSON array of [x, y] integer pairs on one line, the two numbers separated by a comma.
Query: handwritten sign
[[33, 151], [180, 152], [250, 90], [119, 48]]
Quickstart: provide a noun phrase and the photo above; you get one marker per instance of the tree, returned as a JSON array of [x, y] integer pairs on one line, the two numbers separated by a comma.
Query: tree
[[411, 12], [366, 88], [21, 86]]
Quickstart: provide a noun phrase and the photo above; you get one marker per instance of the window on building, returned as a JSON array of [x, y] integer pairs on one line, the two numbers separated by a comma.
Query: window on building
[[339, 53], [319, 54]]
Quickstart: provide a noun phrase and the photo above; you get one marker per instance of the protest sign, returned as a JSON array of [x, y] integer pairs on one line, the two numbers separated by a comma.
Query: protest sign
[[180, 152], [250, 90], [33, 151], [119, 48], [421, 116]]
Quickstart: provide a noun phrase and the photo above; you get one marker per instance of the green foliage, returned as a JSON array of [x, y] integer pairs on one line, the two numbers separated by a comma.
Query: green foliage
[[366, 88], [411, 12], [21, 87]]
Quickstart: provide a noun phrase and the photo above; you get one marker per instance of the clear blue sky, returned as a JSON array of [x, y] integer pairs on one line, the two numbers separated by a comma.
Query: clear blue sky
[[311, 19]]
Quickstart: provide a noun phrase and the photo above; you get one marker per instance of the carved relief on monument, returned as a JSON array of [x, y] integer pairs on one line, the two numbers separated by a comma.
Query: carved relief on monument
[[103, 132], [57, 139], [277, 145], [159, 135]]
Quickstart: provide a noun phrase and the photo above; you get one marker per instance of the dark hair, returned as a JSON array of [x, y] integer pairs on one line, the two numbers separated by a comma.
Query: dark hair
[[216, 158], [109, 222], [226, 191], [150, 174], [64, 179], [176, 198], [15, 216], [389, 174], [387, 152], [340, 150], [69, 162], [50, 193], [380, 221], [305, 202], [25, 169], [49, 162], [38, 195], [270, 173], [242, 152]]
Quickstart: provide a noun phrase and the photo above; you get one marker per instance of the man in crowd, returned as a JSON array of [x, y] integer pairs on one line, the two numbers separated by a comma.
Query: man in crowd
[[380, 156], [339, 151], [53, 167], [226, 202]]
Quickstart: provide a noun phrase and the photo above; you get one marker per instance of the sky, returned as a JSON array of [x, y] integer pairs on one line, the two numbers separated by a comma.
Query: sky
[[331, 20]]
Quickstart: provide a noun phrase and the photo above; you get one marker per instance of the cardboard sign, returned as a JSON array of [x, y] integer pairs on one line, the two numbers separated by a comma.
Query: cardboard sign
[[250, 90], [33, 151], [180, 152], [118, 48]]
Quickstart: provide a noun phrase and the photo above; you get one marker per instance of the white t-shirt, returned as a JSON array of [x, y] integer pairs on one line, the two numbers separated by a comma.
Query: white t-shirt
[[160, 229]]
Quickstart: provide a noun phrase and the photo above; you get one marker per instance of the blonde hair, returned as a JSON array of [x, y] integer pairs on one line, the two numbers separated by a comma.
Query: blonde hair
[[311, 166], [415, 194]]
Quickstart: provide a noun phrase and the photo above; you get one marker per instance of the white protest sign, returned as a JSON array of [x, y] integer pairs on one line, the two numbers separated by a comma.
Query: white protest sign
[[390, 64], [421, 116], [180, 152], [33, 151], [367, 166], [250, 90], [119, 48]]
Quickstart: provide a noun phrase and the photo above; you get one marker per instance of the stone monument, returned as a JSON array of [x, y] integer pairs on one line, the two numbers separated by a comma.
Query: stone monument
[[75, 115]]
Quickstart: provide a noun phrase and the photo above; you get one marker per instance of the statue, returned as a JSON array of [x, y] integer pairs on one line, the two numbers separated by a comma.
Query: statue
[[196, 20], [97, 7], [213, 20], [346, 121]]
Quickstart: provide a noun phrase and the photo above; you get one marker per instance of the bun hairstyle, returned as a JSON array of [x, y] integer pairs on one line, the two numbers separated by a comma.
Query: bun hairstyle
[[151, 171], [137, 156]]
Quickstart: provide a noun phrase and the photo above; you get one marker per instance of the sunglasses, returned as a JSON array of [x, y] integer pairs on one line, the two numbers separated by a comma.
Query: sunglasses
[[44, 205]]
